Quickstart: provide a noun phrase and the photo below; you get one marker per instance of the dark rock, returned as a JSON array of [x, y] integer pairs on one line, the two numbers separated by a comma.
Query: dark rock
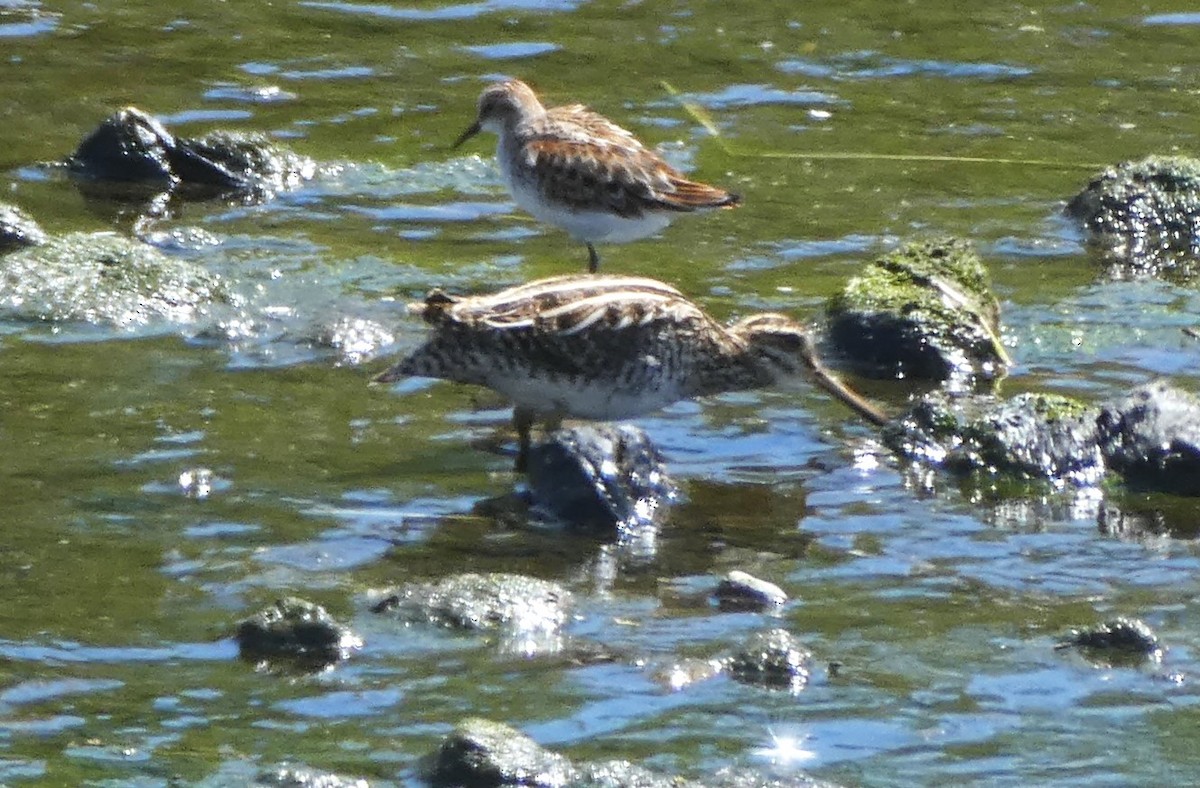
[[514, 604], [127, 146], [295, 630], [247, 161], [1152, 438], [104, 278], [925, 312], [18, 229], [480, 754], [1120, 638], [740, 591], [1146, 213], [600, 477], [483, 754], [773, 659], [131, 156], [1031, 436]]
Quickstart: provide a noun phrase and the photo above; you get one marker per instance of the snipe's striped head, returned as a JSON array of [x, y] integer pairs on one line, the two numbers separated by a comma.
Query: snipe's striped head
[[778, 344], [502, 105]]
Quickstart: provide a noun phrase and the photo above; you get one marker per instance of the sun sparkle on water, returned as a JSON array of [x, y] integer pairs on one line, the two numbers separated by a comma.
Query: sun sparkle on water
[[786, 749]]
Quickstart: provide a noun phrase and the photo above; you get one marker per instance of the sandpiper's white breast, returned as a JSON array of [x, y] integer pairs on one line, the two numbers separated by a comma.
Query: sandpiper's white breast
[[583, 225]]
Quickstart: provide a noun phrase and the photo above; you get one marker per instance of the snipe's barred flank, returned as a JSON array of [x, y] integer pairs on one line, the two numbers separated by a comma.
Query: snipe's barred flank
[[606, 348], [575, 169]]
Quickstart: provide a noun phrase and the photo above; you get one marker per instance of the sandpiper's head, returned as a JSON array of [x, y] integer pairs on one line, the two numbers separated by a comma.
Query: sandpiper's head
[[501, 106], [777, 345]]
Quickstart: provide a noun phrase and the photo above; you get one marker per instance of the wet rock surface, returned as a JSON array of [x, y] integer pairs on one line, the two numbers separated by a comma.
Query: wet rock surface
[[297, 631], [1031, 436], [1127, 639], [513, 604], [923, 312], [600, 478], [1152, 438], [774, 659], [132, 156], [106, 279], [1144, 214], [18, 229], [741, 591], [484, 754]]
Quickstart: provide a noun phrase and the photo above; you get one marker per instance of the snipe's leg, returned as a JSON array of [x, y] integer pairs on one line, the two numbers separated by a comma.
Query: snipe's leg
[[593, 259], [523, 421]]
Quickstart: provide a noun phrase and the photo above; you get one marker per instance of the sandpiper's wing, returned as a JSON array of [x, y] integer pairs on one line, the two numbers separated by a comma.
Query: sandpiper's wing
[[586, 161]]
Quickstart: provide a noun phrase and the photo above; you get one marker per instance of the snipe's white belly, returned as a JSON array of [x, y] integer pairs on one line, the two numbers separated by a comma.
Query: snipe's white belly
[[599, 400]]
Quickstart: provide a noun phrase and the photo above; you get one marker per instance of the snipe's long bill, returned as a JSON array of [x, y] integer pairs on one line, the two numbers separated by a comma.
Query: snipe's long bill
[[575, 169], [606, 348]]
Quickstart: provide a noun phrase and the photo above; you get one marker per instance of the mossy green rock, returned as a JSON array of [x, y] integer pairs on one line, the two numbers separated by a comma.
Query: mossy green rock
[[1029, 437], [106, 279], [1145, 214], [925, 311]]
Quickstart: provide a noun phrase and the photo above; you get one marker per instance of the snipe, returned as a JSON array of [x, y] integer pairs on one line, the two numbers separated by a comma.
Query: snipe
[[606, 348]]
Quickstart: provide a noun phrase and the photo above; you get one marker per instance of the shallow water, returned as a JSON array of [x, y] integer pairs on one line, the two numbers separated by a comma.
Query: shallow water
[[162, 483]]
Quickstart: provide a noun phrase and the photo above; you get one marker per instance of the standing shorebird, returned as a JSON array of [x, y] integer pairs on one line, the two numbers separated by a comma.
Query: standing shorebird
[[575, 169], [605, 347]]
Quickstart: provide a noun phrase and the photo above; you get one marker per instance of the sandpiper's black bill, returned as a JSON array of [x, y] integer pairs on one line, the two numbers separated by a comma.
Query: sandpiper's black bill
[[470, 132]]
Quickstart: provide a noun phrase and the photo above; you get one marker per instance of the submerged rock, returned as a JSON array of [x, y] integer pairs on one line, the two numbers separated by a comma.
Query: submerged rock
[[1144, 214], [514, 604], [774, 659], [18, 229], [600, 477], [103, 278], [295, 630], [740, 591], [925, 311], [1031, 436], [1152, 438], [1120, 638]]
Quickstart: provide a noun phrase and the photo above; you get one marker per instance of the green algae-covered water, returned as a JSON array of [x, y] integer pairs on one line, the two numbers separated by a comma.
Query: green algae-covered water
[[158, 483]]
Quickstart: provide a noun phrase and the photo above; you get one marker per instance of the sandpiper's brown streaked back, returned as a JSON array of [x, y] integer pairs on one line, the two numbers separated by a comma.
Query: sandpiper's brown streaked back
[[575, 169], [606, 348]]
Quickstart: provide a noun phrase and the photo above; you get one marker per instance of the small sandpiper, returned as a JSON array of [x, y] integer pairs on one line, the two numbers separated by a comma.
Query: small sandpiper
[[606, 348], [575, 169]]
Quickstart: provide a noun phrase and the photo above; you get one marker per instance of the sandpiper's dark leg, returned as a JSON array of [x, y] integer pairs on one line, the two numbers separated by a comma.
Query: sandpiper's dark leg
[[593, 259], [523, 421]]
